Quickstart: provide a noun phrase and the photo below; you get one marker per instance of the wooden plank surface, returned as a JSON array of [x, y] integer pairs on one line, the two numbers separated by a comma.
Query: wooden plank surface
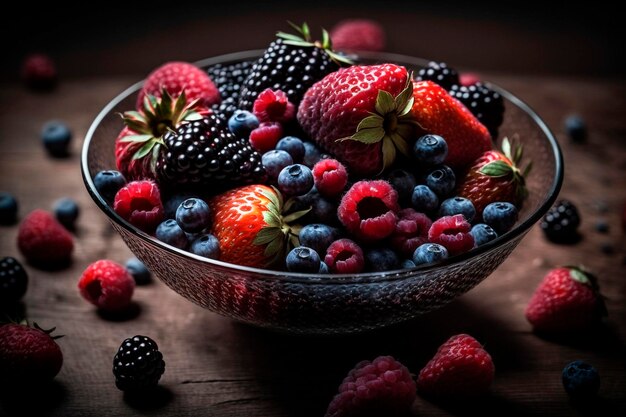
[[215, 367]]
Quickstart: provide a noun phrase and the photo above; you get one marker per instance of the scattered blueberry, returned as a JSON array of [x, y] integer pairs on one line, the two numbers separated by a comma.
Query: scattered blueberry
[[66, 211], [381, 259], [324, 268], [193, 215], [581, 380], [458, 205], [56, 137], [424, 200], [403, 182], [483, 233], [602, 226], [407, 264], [430, 150], [296, 179], [429, 253], [170, 232], [8, 208], [318, 237], [108, 183], [274, 161], [206, 245], [312, 154], [242, 122], [441, 180], [141, 274], [607, 248], [501, 216], [293, 146], [576, 128], [303, 259]]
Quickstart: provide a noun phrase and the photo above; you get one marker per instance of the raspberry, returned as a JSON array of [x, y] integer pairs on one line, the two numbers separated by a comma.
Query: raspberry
[[453, 233], [330, 177], [368, 210], [139, 202], [358, 34], [107, 285], [39, 72], [273, 106], [411, 231], [43, 240], [344, 256], [461, 368], [468, 78], [383, 387], [265, 137]]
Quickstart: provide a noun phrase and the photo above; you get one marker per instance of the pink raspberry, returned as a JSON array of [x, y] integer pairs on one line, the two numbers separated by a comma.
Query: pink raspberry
[[273, 106], [139, 203], [383, 387], [330, 177], [344, 256], [358, 34], [265, 137], [368, 210], [453, 233], [468, 78], [39, 72], [107, 285], [43, 240], [411, 231]]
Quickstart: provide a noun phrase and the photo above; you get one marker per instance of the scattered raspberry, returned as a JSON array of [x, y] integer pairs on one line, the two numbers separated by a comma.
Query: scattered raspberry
[[330, 177], [139, 202], [453, 233], [461, 368], [265, 137], [344, 256], [411, 231], [468, 78], [42, 239], [368, 210], [39, 72], [107, 285], [383, 387], [359, 35], [273, 106]]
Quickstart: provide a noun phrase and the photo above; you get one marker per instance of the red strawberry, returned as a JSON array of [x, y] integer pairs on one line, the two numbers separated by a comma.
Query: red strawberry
[[461, 368], [28, 354], [361, 115], [438, 113], [567, 299], [176, 77], [42, 239], [495, 176]]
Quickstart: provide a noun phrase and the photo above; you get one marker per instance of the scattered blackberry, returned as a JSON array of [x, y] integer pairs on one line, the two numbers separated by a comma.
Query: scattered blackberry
[[229, 79], [13, 280], [291, 66], [204, 151], [484, 103], [561, 222], [440, 73], [138, 364]]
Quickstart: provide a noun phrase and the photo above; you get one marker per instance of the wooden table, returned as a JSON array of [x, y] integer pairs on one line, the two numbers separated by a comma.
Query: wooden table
[[215, 367]]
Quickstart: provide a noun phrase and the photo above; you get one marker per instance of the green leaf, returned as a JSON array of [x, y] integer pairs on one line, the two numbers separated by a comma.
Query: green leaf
[[295, 215], [296, 27], [136, 138], [384, 102], [369, 135], [275, 200], [527, 170], [275, 247], [403, 98], [338, 58], [326, 42], [144, 150], [371, 122], [266, 235], [294, 241], [407, 107], [400, 144], [405, 129], [519, 154], [271, 219], [298, 43], [289, 36], [306, 32], [497, 169], [506, 148], [389, 153], [579, 276]]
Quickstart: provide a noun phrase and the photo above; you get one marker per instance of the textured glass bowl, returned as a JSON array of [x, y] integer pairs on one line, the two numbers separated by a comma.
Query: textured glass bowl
[[325, 304]]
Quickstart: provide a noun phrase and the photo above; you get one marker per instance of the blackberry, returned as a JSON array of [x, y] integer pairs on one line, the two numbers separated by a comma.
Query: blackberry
[[291, 64], [138, 364], [484, 103], [229, 79], [440, 73], [204, 152], [561, 222], [13, 280]]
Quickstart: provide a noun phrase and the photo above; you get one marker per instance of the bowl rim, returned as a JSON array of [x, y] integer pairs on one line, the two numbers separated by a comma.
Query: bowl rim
[[310, 278]]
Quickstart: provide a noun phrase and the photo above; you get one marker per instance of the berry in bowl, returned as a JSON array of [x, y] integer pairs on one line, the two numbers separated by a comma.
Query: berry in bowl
[[310, 191]]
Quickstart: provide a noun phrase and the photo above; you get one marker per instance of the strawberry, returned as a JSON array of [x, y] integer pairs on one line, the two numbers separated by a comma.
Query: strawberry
[[495, 176], [567, 299], [438, 113], [28, 354], [250, 227], [460, 368], [361, 115]]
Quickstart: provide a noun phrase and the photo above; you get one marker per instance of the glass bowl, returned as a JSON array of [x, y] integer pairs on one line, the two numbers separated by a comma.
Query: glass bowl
[[328, 304]]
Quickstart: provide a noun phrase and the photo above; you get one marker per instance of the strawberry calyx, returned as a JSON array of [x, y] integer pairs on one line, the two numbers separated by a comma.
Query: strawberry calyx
[[585, 277], [305, 40], [510, 167], [46, 331]]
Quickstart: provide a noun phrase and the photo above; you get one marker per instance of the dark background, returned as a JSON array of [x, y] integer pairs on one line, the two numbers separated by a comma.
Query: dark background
[[521, 37]]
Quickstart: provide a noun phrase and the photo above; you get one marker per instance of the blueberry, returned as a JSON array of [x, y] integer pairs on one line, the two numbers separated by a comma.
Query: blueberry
[[141, 274], [56, 137], [483, 233], [318, 237], [458, 205], [66, 211], [602, 226], [170, 232], [429, 253], [242, 122], [430, 150], [193, 215], [108, 183], [206, 245], [581, 380], [441, 180], [8, 208], [576, 128], [274, 161], [322, 210], [424, 200], [407, 264], [312, 154], [381, 259], [303, 259], [501, 216], [324, 268], [403, 182], [171, 203], [293, 146], [296, 179]]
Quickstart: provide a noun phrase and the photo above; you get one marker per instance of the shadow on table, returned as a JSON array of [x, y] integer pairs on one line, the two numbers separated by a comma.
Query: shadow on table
[[32, 399], [149, 401]]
